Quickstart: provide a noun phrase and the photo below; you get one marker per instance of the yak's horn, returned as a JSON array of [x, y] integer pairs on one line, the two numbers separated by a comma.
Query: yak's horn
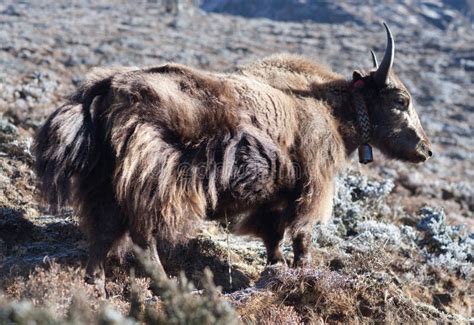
[[381, 75], [374, 59]]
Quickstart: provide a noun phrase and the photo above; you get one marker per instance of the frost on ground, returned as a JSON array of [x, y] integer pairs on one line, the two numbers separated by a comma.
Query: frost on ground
[[445, 246]]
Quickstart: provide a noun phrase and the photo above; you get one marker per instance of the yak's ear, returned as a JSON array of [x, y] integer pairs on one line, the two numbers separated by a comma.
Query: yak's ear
[[356, 75]]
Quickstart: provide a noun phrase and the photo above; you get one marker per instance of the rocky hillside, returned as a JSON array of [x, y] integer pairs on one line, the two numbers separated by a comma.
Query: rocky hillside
[[400, 245], [440, 14]]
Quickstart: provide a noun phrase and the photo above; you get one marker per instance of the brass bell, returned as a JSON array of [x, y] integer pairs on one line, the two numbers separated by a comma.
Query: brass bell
[[365, 154]]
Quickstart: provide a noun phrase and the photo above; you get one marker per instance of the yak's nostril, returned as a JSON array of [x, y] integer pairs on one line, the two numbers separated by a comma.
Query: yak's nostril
[[430, 153]]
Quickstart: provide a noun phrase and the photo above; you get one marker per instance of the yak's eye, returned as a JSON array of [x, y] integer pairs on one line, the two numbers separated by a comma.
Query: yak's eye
[[401, 102]]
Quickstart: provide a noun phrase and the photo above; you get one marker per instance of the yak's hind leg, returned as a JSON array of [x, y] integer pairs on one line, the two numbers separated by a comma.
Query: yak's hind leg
[[146, 240], [104, 231], [104, 225]]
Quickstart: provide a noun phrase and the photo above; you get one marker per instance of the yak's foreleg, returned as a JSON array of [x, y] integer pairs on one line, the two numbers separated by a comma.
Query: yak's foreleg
[[301, 247], [315, 208], [272, 240], [269, 225]]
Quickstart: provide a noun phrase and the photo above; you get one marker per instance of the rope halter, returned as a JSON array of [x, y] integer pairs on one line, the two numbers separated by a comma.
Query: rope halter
[[365, 149]]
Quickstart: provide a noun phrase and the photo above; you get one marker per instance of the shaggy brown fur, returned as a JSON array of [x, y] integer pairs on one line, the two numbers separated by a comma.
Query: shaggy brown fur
[[149, 152]]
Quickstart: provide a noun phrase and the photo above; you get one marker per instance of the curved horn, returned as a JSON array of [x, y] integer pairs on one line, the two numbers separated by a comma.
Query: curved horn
[[374, 59], [381, 75]]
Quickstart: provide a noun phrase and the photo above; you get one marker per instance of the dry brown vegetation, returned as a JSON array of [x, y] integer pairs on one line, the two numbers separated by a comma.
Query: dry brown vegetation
[[344, 283], [334, 290]]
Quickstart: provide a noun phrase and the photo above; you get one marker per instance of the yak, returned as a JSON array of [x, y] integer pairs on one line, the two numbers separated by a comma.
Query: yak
[[147, 153]]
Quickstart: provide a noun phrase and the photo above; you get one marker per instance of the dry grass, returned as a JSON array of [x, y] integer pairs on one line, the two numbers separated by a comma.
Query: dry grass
[[339, 287], [56, 293], [358, 288], [56, 287]]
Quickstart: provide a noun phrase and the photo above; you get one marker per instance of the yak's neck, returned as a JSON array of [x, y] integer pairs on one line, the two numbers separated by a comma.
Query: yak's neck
[[339, 97]]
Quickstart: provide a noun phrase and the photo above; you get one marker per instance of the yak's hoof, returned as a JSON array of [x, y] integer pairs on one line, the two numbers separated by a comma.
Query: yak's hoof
[[278, 261], [303, 261], [99, 285]]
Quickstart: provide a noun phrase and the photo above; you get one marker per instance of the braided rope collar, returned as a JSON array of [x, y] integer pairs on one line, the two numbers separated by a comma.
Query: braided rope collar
[[365, 149]]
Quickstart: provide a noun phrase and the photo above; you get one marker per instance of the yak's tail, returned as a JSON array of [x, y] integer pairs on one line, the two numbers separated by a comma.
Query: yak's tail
[[65, 146]]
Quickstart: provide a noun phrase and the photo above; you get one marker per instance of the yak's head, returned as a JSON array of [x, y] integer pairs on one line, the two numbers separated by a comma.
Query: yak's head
[[395, 128]]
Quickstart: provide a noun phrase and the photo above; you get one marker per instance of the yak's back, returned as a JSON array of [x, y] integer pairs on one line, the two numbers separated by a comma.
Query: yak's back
[[191, 104], [289, 72]]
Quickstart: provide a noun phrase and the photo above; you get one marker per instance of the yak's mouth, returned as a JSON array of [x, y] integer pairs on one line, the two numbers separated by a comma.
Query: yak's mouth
[[417, 156], [406, 149], [423, 152]]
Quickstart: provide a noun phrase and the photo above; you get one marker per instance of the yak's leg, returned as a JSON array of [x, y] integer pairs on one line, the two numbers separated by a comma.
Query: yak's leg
[[272, 240], [320, 206], [301, 245], [148, 244], [272, 231], [101, 244], [104, 227], [269, 225], [95, 273]]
